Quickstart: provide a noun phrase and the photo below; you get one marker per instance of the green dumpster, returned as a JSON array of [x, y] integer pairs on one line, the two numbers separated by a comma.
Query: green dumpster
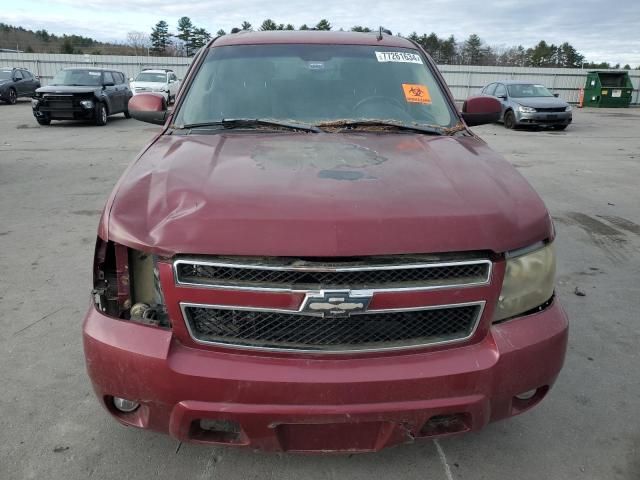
[[607, 89]]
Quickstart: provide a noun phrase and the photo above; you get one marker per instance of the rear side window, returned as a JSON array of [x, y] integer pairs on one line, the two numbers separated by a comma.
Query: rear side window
[[490, 89], [17, 75], [108, 78]]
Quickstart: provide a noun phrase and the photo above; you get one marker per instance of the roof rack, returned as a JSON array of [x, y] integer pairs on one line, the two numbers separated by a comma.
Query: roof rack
[[161, 69]]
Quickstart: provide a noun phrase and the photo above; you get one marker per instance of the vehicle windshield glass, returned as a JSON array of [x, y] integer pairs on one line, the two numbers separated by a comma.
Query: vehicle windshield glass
[[528, 90], [5, 75], [78, 77], [315, 84], [151, 77]]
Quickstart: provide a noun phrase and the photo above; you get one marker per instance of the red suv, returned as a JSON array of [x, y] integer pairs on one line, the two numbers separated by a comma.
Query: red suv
[[316, 254]]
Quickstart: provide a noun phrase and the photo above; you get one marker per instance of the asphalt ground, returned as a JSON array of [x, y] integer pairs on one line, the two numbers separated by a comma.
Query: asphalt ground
[[53, 183]]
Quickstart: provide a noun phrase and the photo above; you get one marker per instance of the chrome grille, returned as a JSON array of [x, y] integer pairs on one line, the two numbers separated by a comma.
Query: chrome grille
[[412, 272], [292, 331]]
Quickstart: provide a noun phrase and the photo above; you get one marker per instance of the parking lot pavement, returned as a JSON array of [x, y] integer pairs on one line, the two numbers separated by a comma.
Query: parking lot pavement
[[53, 183]]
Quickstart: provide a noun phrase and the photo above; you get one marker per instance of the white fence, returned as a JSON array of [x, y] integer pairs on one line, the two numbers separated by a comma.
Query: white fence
[[463, 80]]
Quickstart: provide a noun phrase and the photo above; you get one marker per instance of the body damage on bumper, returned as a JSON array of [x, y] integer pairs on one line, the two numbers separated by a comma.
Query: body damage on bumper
[[321, 404]]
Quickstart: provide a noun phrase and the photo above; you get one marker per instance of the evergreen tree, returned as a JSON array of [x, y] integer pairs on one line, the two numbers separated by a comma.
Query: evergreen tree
[[246, 26], [472, 50], [323, 25], [185, 32], [160, 38], [268, 24]]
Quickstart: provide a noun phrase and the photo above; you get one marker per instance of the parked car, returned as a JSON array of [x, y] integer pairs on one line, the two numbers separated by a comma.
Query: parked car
[[316, 254], [82, 94], [529, 104], [16, 83], [162, 81]]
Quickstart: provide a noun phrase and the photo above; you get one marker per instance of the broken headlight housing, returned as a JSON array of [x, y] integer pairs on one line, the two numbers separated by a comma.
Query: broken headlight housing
[[528, 283], [126, 284]]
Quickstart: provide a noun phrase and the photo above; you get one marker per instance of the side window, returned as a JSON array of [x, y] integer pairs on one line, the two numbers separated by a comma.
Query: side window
[[500, 91], [17, 74], [108, 78], [26, 75], [120, 76], [490, 89], [173, 77]]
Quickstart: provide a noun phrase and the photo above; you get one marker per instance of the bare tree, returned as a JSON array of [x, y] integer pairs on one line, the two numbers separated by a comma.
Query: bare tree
[[139, 41]]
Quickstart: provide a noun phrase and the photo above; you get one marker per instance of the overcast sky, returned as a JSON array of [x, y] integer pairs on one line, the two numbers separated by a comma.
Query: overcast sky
[[602, 31]]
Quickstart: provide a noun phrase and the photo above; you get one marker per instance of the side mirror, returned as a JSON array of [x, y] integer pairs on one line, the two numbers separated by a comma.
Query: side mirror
[[556, 95], [108, 84], [502, 97], [148, 107], [481, 110], [131, 79]]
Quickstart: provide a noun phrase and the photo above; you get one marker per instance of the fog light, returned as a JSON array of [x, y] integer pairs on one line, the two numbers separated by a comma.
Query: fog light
[[124, 405], [528, 395], [86, 104]]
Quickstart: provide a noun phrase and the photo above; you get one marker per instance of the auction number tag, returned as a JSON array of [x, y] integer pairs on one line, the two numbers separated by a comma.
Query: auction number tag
[[398, 57]]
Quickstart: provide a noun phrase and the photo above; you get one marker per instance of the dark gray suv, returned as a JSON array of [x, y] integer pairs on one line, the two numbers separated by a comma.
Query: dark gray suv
[[17, 82], [529, 104]]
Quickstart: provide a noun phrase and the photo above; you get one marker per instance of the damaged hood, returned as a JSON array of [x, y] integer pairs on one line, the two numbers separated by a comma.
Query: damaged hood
[[296, 194]]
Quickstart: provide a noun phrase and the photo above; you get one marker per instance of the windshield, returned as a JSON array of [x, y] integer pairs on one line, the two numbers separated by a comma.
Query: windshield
[[151, 77], [528, 90], [77, 77], [315, 84], [5, 75]]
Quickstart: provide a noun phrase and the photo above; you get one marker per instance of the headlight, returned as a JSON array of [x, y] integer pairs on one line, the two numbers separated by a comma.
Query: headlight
[[568, 109], [528, 282], [522, 109], [86, 104], [34, 102]]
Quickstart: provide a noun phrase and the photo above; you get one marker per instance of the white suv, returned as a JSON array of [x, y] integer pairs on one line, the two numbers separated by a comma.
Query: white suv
[[157, 81]]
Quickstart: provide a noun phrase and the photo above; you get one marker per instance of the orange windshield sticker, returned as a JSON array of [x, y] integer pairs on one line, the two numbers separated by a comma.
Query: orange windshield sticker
[[416, 93]]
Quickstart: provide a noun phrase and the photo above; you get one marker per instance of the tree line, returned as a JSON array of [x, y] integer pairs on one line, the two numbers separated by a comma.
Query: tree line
[[188, 38], [449, 50]]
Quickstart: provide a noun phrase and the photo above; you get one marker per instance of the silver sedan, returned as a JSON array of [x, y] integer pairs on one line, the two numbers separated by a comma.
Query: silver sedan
[[529, 104]]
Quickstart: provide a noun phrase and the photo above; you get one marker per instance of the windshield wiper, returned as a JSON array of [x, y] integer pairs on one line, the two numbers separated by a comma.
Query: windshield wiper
[[230, 123], [381, 125]]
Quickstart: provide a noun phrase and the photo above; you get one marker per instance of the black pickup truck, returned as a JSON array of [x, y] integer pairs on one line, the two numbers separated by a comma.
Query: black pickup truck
[[82, 94]]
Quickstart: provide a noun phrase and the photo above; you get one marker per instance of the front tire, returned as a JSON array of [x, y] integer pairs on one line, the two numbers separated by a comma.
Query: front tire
[[13, 97], [101, 114], [509, 120], [43, 121], [127, 114]]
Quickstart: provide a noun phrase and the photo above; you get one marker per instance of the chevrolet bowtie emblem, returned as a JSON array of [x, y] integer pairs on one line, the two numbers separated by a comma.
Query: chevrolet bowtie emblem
[[336, 303]]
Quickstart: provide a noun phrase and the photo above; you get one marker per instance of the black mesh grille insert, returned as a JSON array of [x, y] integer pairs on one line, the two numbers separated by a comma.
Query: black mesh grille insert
[[551, 109], [293, 331], [399, 277]]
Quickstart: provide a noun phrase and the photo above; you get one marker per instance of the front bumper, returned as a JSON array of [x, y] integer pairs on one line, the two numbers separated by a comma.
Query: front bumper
[[71, 113], [312, 404], [544, 118]]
